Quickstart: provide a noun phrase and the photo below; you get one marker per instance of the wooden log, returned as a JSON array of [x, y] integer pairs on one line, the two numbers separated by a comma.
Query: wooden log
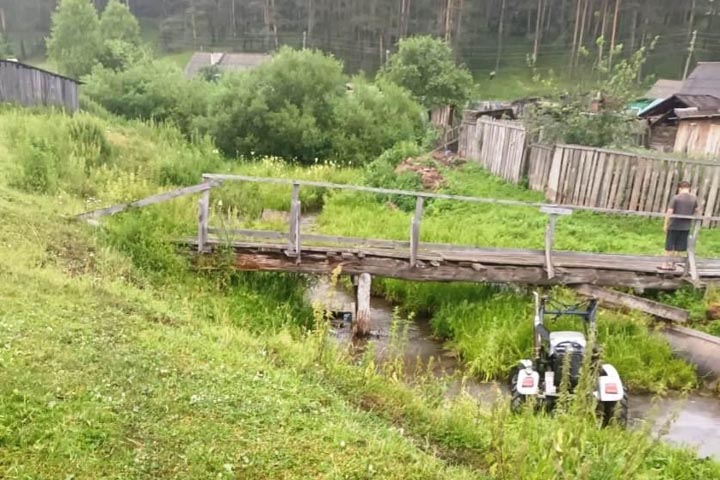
[[363, 316], [415, 231], [650, 307], [549, 240], [203, 219]]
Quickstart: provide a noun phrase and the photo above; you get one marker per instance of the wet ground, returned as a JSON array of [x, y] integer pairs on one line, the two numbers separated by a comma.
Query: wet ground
[[696, 419]]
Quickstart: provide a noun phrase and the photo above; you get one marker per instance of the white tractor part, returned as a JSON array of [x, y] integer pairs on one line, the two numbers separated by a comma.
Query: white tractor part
[[610, 386], [528, 381]]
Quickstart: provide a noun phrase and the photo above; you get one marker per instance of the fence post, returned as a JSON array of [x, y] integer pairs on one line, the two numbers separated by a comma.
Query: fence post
[[691, 261], [415, 231], [203, 218], [295, 214]]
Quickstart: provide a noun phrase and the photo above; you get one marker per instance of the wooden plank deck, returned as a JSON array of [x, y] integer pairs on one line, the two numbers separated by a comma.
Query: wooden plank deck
[[447, 263]]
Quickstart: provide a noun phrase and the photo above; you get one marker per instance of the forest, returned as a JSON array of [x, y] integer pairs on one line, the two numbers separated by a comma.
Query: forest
[[488, 35]]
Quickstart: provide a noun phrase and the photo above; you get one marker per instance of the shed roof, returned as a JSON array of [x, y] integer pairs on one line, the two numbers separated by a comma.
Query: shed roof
[[694, 113], [699, 102], [224, 61], [704, 80], [664, 88], [32, 67]]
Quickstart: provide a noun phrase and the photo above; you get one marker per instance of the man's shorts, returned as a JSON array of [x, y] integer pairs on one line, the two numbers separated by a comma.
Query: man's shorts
[[677, 241]]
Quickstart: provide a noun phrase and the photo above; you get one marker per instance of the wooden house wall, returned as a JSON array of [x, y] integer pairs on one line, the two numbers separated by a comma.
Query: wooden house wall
[[31, 87], [698, 136]]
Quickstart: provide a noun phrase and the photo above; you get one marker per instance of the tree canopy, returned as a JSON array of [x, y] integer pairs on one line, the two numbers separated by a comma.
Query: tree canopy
[[74, 42], [425, 66]]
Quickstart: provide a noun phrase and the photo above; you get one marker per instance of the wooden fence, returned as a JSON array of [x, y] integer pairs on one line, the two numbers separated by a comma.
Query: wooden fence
[[601, 178], [498, 145]]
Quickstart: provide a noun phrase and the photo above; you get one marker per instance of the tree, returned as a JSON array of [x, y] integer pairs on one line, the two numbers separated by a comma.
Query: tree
[[5, 48], [74, 41], [118, 23], [425, 67], [120, 33]]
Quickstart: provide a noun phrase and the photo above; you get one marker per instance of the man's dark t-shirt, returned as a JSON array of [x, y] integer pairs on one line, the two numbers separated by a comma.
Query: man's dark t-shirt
[[682, 204]]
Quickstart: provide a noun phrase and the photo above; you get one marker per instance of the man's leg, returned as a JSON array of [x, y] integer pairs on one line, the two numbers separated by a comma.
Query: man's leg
[[668, 263]]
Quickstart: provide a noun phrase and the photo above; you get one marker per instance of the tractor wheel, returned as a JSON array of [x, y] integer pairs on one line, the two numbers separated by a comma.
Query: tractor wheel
[[518, 399], [614, 411]]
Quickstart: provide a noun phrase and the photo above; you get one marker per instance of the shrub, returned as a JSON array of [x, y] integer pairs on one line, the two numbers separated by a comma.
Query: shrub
[[381, 173], [283, 107], [426, 67], [373, 118], [150, 91], [88, 140], [297, 107]]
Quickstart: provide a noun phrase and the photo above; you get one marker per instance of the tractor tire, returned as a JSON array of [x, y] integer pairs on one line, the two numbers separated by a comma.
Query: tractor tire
[[614, 412], [517, 399]]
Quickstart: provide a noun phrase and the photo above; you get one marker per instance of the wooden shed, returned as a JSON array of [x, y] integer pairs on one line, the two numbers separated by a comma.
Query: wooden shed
[[31, 86], [682, 122], [698, 132]]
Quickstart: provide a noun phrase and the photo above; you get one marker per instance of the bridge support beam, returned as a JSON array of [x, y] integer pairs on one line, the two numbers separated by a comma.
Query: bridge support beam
[[363, 318]]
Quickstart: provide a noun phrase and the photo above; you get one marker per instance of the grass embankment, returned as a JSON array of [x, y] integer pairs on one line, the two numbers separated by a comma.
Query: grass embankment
[[120, 362]]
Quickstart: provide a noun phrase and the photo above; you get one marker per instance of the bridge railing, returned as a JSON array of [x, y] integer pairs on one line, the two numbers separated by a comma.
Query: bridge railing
[[295, 238]]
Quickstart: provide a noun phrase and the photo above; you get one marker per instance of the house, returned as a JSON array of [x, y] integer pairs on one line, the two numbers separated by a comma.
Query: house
[[31, 86], [688, 121], [225, 62]]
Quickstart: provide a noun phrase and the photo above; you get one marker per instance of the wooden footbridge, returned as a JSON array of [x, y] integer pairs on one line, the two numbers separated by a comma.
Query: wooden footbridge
[[305, 252]]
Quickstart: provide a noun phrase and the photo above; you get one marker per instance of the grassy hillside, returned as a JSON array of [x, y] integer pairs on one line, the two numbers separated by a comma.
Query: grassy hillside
[[120, 361]]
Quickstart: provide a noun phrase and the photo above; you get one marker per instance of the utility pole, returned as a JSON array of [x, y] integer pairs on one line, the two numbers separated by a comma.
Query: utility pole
[[305, 40], [691, 52]]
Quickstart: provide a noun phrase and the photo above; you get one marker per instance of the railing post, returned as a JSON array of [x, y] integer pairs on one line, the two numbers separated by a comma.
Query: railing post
[[295, 214], [549, 241], [203, 218], [691, 262], [415, 231], [553, 213]]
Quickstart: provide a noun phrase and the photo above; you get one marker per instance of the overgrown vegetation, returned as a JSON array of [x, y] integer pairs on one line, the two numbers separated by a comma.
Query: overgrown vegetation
[[120, 360]]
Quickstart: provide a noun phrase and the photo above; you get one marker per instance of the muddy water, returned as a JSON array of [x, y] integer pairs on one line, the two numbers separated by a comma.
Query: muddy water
[[696, 419]]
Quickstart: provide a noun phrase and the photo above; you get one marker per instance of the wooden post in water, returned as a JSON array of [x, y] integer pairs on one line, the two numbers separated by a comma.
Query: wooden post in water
[[295, 214], [691, 262], [203, 217], [363, 317], [415, 231]]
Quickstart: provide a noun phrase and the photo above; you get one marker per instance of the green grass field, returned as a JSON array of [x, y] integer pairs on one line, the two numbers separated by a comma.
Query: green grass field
[[121, 361]]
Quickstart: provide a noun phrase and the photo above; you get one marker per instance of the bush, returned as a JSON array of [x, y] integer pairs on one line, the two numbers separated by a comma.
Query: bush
[[150, 91], [284, 107], [298, 107], [373, 118], [381, 174], [89, 141]]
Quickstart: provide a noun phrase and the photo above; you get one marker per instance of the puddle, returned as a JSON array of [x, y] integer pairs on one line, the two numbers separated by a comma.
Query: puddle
[[697, 421]]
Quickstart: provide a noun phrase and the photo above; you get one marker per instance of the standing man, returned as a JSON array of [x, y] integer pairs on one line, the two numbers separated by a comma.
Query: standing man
[[677, 230]]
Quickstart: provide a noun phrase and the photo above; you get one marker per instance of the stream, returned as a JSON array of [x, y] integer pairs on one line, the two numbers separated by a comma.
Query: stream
[[697, 422]]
